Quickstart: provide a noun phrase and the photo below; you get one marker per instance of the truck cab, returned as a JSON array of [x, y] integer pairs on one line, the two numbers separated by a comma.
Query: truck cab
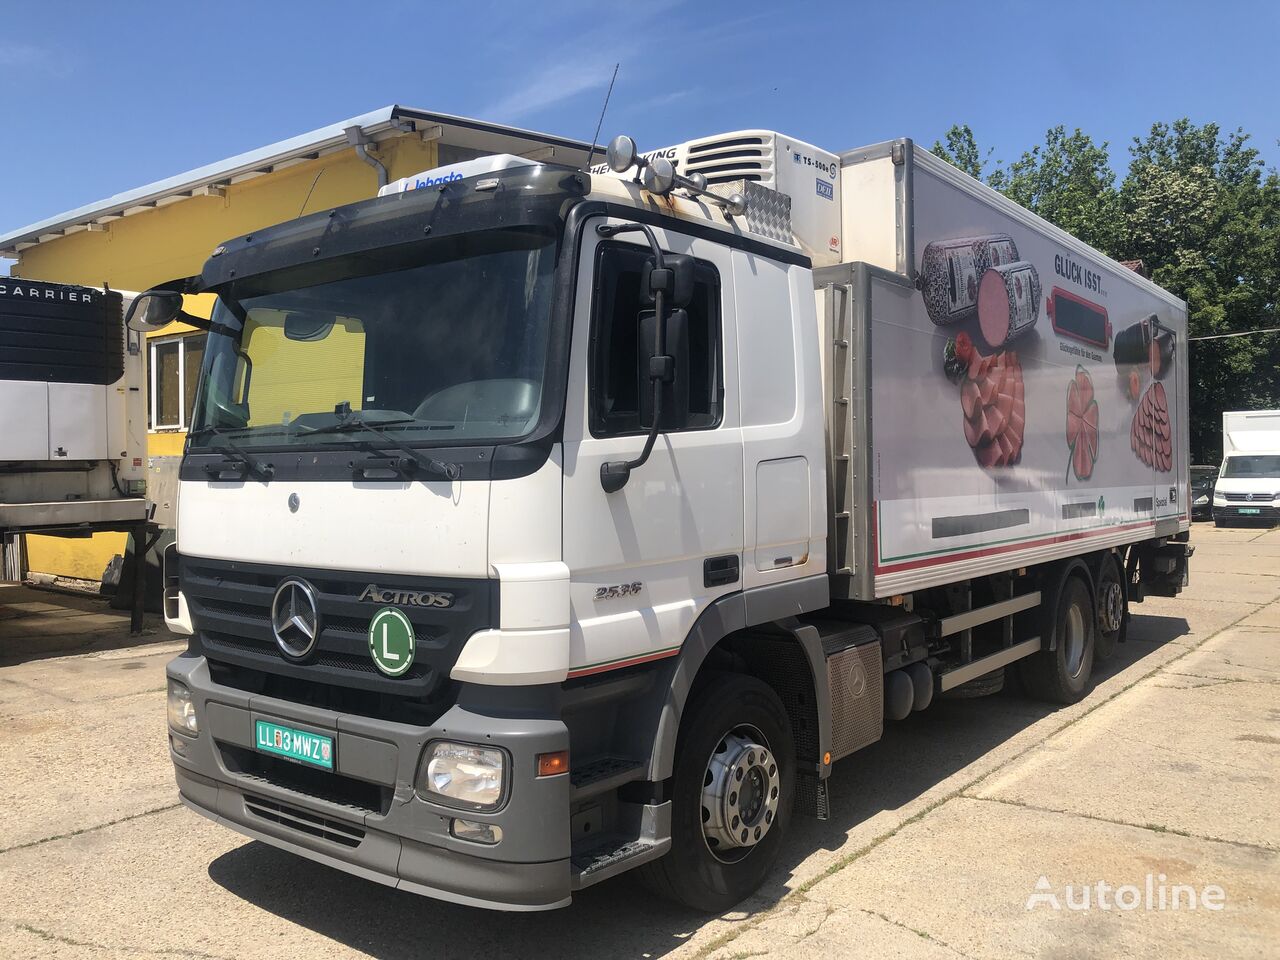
[[396, 551]]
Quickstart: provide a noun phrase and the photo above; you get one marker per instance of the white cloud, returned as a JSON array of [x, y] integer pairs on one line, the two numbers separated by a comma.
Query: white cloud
[[28, 56], [550, 87]]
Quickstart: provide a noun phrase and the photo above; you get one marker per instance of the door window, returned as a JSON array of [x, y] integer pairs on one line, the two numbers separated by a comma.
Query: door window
[[617, 378]]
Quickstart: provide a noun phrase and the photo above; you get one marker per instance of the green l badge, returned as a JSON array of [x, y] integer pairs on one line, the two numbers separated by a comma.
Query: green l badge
[[391, 641]]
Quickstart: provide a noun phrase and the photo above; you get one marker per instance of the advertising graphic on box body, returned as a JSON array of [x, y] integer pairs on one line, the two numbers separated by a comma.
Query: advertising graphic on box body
[[1014, 432]]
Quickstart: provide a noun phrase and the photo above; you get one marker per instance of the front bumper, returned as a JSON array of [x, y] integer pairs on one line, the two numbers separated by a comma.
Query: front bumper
[[1262, 510], [365, 817]]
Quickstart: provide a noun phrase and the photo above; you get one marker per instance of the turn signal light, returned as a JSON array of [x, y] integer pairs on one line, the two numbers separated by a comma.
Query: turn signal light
[[551, 764]]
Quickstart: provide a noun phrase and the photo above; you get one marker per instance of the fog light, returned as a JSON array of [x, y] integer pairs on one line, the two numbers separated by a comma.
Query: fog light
[[463, 774], [179, 745], [488, 833], [182, 712]]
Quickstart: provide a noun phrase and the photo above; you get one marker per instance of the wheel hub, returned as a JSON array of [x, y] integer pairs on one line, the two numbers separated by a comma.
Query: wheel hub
[[740, 793], [1111, 607]]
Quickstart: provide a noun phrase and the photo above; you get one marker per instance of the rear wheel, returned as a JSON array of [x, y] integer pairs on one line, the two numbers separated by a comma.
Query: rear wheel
[[732, 795], [1062, 675], [1113, 608]]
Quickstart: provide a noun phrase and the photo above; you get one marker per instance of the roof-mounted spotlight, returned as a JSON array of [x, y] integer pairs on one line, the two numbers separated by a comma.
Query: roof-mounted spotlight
[[621, 154]]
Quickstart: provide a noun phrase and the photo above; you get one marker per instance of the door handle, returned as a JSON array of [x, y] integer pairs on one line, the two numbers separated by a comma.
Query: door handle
[[719, 571]]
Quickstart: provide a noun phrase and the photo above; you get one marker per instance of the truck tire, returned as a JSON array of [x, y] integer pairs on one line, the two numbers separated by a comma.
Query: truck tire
[[1062, 675], [732, 794], [1113, 609]]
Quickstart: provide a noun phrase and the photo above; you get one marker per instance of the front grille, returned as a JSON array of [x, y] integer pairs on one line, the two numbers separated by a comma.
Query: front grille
[[230, 605], [1250, 498], [304, 821]]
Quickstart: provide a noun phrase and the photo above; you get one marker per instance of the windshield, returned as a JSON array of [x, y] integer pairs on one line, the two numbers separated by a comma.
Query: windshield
[[449, 348], [1255, 465]]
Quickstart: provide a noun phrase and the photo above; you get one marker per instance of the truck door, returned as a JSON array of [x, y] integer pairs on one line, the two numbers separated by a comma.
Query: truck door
[[646, 560]]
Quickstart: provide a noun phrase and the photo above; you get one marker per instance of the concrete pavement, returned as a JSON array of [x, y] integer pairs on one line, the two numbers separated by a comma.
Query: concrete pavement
[[939, 834]]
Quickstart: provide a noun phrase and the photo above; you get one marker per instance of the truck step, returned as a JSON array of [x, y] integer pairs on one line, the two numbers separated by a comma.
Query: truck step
[[610, 854], [603, 774]]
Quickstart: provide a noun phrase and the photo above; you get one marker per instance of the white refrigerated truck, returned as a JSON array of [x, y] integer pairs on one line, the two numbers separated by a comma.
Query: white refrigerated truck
[[537, 524], [73, 401], [1248, 485]]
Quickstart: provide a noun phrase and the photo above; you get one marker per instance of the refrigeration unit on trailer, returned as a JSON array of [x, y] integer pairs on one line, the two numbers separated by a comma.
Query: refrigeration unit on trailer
[[1248, 486], [538, 524], [74, 408]]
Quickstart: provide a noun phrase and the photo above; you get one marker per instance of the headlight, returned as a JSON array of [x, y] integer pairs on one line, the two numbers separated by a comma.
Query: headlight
[[1203, 498], [462, 774], [182, 712]]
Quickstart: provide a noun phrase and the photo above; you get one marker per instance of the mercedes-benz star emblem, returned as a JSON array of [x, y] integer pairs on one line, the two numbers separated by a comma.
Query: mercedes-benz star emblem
[[295, 618]]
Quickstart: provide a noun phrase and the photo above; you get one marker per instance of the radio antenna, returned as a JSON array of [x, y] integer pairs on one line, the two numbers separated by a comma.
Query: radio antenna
[[600, 123], [307, 198]]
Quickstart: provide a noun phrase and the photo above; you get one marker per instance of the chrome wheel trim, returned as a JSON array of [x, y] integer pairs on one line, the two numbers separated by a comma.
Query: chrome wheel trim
[[1074, 636], [741, 788], [1111, 606]]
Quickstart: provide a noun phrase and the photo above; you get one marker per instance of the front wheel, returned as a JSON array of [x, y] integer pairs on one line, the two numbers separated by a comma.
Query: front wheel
[[732, 795]]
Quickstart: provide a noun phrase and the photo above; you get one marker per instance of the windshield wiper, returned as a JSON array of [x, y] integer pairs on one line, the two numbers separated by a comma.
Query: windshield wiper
[[233, 451], [349, 422]]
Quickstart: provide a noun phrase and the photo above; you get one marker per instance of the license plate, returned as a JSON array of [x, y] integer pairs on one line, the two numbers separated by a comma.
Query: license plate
[[1250, 510], [294, 744]]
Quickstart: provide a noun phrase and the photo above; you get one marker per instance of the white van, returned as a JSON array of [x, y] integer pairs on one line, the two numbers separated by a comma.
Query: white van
[[1248, 485]]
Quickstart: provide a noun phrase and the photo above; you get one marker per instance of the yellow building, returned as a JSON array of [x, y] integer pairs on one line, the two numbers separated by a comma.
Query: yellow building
[[166, 230]]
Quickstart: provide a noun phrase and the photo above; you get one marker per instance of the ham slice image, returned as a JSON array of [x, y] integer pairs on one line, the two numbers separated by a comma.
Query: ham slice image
[[991, 400], [1082, 424]]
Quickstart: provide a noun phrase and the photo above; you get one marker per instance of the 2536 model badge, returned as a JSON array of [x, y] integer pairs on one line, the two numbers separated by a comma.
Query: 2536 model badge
[[618, 590]]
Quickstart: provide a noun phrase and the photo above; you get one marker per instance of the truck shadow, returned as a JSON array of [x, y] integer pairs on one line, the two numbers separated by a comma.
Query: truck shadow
[[620, 918]]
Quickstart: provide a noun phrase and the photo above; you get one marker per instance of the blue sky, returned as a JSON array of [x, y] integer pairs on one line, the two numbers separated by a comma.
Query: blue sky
[[103, 97]]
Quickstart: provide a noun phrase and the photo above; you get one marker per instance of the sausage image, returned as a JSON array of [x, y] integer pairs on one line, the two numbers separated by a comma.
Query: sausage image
[[1008, 302], [1161, 349], [950, 271], [1151, 435], [994, 408], [1074, 316], [1133, 344]]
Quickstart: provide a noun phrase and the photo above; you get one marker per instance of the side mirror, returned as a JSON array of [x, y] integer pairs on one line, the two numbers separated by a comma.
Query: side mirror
[[675, 281], [672, 370], [308, 326], [153, 310]]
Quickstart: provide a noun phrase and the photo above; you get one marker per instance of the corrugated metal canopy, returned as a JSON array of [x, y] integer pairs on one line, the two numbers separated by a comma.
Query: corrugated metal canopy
[[381, 124]]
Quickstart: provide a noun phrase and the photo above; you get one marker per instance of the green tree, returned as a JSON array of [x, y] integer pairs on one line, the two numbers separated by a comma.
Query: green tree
[[1200, 210], [961, 150], [1068, 180]]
